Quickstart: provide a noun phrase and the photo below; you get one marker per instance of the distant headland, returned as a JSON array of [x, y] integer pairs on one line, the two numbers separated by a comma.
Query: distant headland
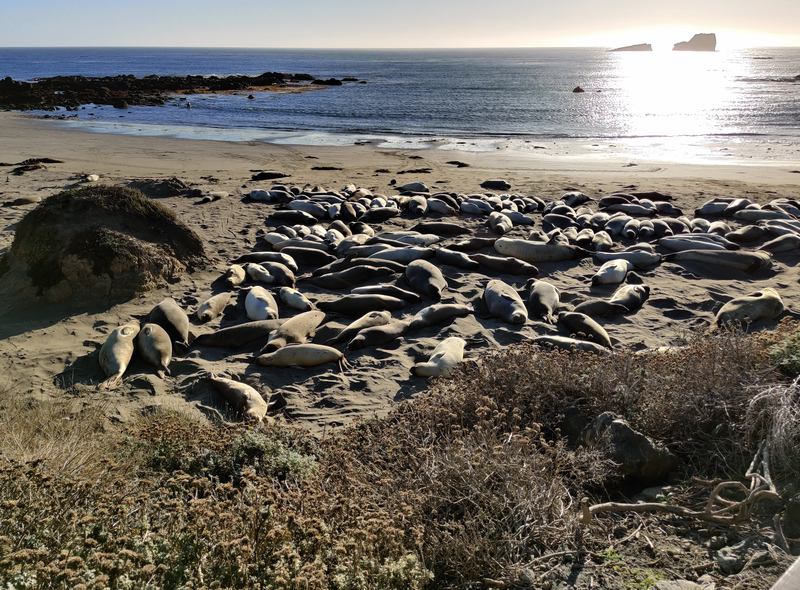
[[700, 42]]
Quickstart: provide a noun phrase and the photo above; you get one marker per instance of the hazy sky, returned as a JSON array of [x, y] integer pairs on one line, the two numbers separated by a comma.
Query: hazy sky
[[397, 24]]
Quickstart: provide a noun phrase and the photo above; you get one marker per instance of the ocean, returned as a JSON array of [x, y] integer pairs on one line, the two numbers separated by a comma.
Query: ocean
[[459, 99]]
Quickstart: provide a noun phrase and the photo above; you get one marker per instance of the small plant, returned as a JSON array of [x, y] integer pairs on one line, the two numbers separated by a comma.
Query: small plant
[[785, 355]]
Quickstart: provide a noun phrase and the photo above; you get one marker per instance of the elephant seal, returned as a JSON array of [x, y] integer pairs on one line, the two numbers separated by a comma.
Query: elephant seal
[[234, 276], [307, 256], [579, 323], [506, 265], [295, 299], [259, 257], [766, 303], [282, 273], [390, 290], [640, 258], [598, 307], [439, 313], [378, 335], [244, 399], [443, 360], [472, 244], [351, 277], [533, 252], [785, 243], [440, 228], [404, 255], [303, 355], [295, 330], [116, 353], [259, 274], [368, 320], [749, 262], [260, 305], [345, 263], [213, 306], [543, 300], [155, 347], [612, 272], [169, 315], [500, 223], [631, 297], [570, 344], [457, 259], [351, 305], [504, 302], [236, 336], [426, 279]]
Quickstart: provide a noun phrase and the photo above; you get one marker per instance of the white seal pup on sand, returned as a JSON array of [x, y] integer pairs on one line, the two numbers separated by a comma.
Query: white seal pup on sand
[[155, 347], [260, 305], [612, 272], [295, 299], [766, 303], [213, 306], [234, 276], [244, 399], [443, 360], [116, 353], [504, 302]]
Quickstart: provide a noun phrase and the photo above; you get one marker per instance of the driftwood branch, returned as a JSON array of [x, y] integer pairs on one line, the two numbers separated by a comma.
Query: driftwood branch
[[761, 488]]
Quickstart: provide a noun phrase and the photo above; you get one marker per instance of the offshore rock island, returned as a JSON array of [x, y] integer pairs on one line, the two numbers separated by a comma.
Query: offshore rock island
[[700, 42], [639, 47], [127, 90]]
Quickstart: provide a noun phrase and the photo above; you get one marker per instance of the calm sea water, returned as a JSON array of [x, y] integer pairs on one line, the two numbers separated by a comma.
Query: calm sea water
[[453, 98]]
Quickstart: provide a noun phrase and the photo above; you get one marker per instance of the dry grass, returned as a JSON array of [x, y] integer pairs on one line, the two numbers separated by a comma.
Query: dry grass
[[468, 482]]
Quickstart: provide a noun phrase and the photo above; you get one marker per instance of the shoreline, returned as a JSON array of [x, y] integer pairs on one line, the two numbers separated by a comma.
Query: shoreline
[[39, 345]]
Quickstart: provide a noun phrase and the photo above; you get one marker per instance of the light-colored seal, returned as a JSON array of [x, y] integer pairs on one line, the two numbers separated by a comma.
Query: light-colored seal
[[169, 315], [390, 290], [500, 223], [439, 313], [373, 318], [612, 272], [259, 274], [504, 302], [766, 303], [244, 399], [543, 300], [579, 323], [213, 306], [426, 279], [444, 359], [533, 252], [640, 258], [295, 299], [295, 330], [234, 276], [260, 305], [631, 297], [747, 261], [303, 355], [506, 265], [116, 354], [155, 347], [785, 243]]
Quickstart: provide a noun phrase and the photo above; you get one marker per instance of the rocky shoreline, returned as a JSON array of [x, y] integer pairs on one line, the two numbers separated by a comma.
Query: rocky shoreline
[[123, 91]]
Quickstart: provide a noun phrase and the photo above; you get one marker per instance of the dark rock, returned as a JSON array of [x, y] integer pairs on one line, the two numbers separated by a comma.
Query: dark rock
[[120, 103], [578, 89], [639, 458], [328, 82], [700, 42], [639, 47], [269, 175], [732, 559]]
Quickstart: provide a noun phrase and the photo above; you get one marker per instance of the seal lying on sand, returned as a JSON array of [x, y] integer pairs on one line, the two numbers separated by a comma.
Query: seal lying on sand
[[505, 303], [444, 359], [579, 323], [295, 330], [368, 320], [543, 300], [116, 353], [750, 308], [213, 306], [169, 315], [303, 355], [241, 396], [155, 347]]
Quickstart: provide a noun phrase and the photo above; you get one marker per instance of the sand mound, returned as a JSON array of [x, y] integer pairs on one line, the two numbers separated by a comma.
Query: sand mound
[[96, 244]]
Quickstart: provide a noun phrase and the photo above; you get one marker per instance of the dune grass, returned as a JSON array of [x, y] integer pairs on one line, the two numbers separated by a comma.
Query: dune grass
[[468, 485]]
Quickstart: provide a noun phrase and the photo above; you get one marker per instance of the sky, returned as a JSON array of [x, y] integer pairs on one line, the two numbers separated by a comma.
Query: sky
[[396, 23]]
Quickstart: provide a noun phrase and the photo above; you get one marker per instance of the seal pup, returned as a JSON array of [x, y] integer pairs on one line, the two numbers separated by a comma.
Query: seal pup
[[500, 223], [368, 320], [303, 355], [212, 307], [631, 297], [155, 347], [244, 399], [295, 299], [237, 336], [766, 303], [543, 300], [169, 315], [116, 353], [234, 276], [504, 302], [579, 323], [426, 279], [260, 304], [439, 313], [612, 272], [443, 360], [295, 330]]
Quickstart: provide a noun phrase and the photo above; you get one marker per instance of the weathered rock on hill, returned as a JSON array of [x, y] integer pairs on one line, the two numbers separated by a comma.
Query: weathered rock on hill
[[128, 90], [96, 245], [700, 42]]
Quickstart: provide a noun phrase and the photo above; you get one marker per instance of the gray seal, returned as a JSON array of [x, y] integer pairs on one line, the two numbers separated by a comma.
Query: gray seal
[[505, 303], [544, 300], [155, 347], [425, 279], [169, 315], [116, 353], [579, 323]]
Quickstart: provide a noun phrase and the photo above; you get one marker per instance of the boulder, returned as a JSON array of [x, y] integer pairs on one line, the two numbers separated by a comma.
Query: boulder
[[578, 89], [95, 245], [496, 185], [638, 457], [700, 42]]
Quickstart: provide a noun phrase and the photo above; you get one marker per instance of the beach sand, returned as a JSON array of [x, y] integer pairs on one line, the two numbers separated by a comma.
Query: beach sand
[[48, 344]]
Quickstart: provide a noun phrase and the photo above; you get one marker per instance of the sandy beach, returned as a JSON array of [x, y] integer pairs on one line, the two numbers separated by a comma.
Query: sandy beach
[[45, 344]]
